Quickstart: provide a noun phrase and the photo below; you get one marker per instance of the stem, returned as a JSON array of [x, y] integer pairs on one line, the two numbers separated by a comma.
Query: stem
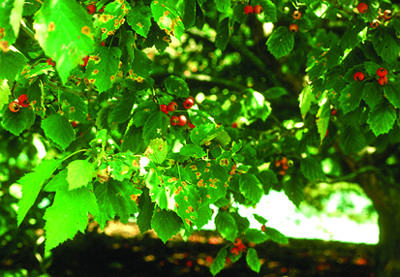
[[26, 29], [82, 150]]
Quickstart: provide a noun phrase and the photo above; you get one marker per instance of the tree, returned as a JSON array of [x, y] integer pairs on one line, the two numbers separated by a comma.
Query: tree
[[255, 94]]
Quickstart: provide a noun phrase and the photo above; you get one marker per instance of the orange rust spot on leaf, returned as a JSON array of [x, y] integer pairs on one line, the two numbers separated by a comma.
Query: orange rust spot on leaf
[[112, 78], [103, 30], [186, 198], [95, 72], [187, 211], [51, 27], [92, 81], [85, 30], [193, 167]]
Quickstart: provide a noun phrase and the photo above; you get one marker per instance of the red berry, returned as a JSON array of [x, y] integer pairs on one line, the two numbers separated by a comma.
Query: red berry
[[23, 100], [234, 125], [362, 8], [74, 123], [284, 160], [188, 104], [182, 120], [241, 247], [102, 9], [190, 125], [296, 15], [91, 9], [85, 61], [383, 80], [358, 76], [248, 9], [387, 15], [103, 43], [374, 23], [285, 167], [263, 227], [333, 112], [326, 134], [164, 108], [172, 106], [258, 9], [293, 28], [174, 120], [235, 251], [14, 106], [237, 242], [381, 72], [278, 163], [282, 172]]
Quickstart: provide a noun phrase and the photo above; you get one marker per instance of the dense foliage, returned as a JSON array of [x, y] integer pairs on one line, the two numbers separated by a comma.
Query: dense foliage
[[158, 109]]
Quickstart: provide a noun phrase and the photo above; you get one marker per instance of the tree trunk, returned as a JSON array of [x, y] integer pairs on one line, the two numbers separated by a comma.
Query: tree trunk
[[386, 200]]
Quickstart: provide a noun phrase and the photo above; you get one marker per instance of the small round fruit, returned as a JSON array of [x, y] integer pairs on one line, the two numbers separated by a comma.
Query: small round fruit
[[188, 104], [263, 227], [285, 167], [50, 62], [235, 251], [383, 80], [163, 108], [293, 28], [234, 125], [284, 160], [190, 125], [282, 172], [326, 134], [102, 9], [103, 43], [248, 9], [362, 8], [278, 163], [174, 120], [182, 120], [241, 247], [74, 123], [290, 163], [258, 9], [374, 23], [85, 61], [387, 15], [172, 106], [14, 106], [381, 72], [333, 112], [296, 15], [23, 100], [91, 9], [237, 242], [358, 76]]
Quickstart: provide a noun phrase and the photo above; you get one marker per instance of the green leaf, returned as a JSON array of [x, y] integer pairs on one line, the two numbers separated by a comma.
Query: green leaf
[[371, 68], [251, 188], [269, 10], [115, 198], [17, 122], [255, 236], [4, 93], [281, 42], [139, 18], [186, 202], [57, 182], [176, 86], [155, 125], [351, 96], [372, 94], [311, 169], [352, 140], [382, 118], [351, 38], [10, 19], [204, 216], [192, 150], [65, 33], [260, 219], [226, 226], [167, 17], [158, 38], [102, 69], [112, 18], [392, 94], [189, 13], [79, 174], [160, 187], [219, 261], [386, 44], [306, 98], [68, 215], [157, 150], [146, 211], [133, 140], [122, 111], [294, 190], [12, 64], [73, 106], [276, 236], [165, 223], [58, 130], [223, 5], [142, 112], [252, 260], [32, 183], [222, 37], [206, 132], [141, 66], [210, 179]]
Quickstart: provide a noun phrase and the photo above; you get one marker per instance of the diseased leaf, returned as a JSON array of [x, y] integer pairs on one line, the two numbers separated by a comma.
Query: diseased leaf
[[139, 19]]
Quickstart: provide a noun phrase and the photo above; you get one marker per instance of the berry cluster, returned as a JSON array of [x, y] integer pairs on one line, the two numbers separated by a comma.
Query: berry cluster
[[178, 120], [293, 27], [387, 15], [239, 247], [249, 9], [17, 104], [284, 163], [381, 72]]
